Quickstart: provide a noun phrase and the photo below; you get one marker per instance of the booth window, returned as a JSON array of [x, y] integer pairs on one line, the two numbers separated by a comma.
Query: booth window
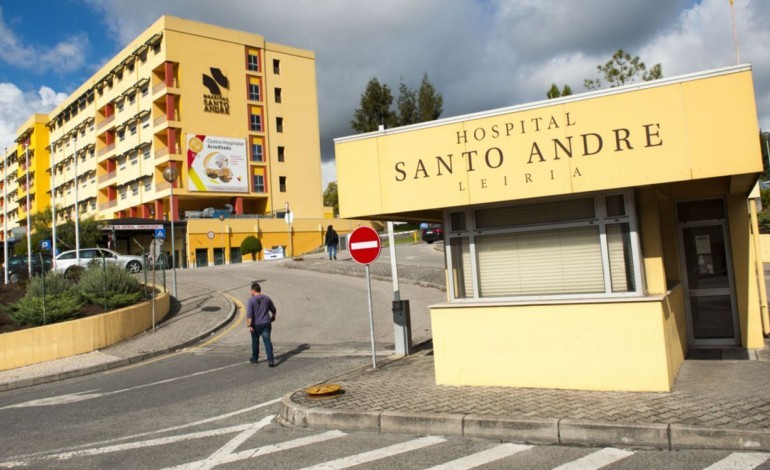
[[576, 247]]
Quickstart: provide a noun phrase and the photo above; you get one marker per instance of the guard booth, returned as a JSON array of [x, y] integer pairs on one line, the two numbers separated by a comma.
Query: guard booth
[[122, 235], [591, 240]]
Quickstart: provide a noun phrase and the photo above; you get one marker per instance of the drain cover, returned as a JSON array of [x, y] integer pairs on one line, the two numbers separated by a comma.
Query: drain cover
[[323, 391]]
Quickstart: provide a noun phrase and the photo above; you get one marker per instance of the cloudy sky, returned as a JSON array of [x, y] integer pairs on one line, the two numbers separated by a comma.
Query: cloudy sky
[[480, 54]]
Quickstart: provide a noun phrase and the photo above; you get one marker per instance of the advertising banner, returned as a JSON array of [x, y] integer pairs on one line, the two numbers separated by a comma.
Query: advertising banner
[[217, 164]]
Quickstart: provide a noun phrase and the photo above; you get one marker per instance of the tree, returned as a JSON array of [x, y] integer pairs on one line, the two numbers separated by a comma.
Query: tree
[[90, 234], [374, 109], [407, 105], [429, 102], [251, 245], [554, 91], [331, 199], [622, 69]]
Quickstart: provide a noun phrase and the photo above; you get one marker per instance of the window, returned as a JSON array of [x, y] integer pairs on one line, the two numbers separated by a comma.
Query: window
[[123, 193], [135, 190], [131, 98], [281, 153], [122, 134], [143, 56], [253, 63], [254, 92], [134, 159], [146, 122], [279, 124], [146, 153], [258, 182], [282, 184], [256, 152], [145, 89], [93, 205], [148, 184], [256, 122], [132, 129], [276, 66], [277, 95], [120, 105], [156, 47], [580, 247], [121, 163]]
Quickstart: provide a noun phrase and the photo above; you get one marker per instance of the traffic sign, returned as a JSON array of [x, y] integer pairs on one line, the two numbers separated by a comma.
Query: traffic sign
[[289, 217], [364, 245], [210, 234], [45, 244], [160, 233]]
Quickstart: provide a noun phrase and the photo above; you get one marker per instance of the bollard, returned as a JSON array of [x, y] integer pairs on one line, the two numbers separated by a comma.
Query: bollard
[[402, 325]]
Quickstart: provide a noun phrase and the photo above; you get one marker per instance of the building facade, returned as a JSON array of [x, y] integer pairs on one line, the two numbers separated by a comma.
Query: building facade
[[591, 240], [234, 114]]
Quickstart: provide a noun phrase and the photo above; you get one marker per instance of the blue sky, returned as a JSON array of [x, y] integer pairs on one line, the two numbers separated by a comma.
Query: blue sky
[[480, 55]]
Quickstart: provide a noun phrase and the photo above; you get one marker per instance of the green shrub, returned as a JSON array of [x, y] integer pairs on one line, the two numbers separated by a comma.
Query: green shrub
[[29, 310], [110, 286], [251, 245], [765, 194], [55, 284]]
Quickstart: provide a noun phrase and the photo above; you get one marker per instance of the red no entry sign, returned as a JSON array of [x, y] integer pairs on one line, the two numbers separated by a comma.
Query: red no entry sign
[[364, 245]]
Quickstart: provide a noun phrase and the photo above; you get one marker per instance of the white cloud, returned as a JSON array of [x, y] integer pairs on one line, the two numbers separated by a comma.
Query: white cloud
[[482, 54], [63, 57], [17, 106]]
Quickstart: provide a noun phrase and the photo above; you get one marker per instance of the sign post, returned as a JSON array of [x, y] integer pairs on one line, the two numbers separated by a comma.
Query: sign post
[[365, 246]]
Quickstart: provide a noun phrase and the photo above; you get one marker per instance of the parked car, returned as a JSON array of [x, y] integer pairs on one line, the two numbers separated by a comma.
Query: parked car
[[18, 268], [68, 260], [432, 233]]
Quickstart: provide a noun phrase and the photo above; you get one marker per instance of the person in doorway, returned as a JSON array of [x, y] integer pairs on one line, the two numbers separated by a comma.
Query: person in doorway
[[260, 314], [332, 241]]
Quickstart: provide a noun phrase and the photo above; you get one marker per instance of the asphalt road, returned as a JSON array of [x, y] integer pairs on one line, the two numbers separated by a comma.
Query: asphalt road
[[208, 406]]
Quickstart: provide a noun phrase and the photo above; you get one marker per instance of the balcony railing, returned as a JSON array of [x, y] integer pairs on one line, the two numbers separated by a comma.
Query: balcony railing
[[106, 150], [162, 186], [108, 205], [105, 122], [107, 177]]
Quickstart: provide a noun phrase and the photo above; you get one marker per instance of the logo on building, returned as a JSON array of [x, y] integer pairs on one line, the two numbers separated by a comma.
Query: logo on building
[[214, 101]]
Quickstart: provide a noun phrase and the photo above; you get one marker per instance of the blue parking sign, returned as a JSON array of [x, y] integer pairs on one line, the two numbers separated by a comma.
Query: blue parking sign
[[45, 244], [160, 233]]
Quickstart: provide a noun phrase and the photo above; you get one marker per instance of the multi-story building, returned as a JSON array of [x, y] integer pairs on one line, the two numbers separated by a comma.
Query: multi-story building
[[235, 115], [33, 160], [9, 188]]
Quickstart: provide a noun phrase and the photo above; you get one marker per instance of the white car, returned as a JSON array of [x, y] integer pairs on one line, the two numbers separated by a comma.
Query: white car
[[68, 259]]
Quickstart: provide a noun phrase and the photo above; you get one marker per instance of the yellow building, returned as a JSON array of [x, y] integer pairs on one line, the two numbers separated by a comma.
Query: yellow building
[[9, 188], [591, 240], [236, 115], [33, 161]]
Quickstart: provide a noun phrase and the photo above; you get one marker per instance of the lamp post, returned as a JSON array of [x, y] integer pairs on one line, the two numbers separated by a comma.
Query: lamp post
[[29, 227], [170, 174], [5, 212], [222, 219], [53, 204], [767, 145], [77, 201]]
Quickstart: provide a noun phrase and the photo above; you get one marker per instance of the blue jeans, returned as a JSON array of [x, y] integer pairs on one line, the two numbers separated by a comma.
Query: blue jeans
[[264, 332], [332, 250]]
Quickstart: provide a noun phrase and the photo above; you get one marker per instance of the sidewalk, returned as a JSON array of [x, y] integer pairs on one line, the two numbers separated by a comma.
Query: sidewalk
[[200, 313]]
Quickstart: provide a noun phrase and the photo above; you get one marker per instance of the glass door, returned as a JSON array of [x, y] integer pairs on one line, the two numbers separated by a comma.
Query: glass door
[[708, 276]]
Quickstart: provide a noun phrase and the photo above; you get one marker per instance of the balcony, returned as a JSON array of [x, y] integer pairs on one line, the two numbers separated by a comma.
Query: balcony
[[162, 186], [106, 150], [105, 123], [107, 177], [108, 205]]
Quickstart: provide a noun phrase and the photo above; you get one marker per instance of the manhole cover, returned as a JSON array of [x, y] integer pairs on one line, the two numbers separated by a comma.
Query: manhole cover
[[323, 391]]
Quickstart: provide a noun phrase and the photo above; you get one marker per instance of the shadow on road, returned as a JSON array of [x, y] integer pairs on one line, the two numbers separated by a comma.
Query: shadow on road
[[281, 358]]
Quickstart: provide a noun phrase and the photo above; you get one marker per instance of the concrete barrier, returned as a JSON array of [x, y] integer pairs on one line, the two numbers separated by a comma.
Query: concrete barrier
[[58, 340]]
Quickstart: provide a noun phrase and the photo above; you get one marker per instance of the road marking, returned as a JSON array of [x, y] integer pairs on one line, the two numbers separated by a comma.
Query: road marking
[[269, 449], [241, 316], [149, 433], [141, 444], [596, 460], [482, 458], [81, 396], [363, 245], [740, 461], [378, 454]]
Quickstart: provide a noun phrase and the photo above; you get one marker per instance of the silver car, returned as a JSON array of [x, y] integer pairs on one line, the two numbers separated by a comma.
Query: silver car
[[68, 259]]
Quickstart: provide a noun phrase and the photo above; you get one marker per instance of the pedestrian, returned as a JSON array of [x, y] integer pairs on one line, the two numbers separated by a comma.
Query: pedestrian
[[332, 241], [260, 314]]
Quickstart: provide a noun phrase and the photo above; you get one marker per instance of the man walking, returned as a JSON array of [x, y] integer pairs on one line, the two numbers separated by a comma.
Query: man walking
[[331, 241], [260, 313]]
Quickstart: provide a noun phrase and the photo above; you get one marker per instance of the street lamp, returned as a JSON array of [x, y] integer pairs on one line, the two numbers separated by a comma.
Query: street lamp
[[222, 219], [170, 174]]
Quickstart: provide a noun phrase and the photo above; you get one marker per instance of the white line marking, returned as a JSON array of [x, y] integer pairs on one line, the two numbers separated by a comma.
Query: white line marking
[[378, 454], [80, 396], [363, 245], [135, 445], [142, 434], [596, 460], [482, 458], [269, 449], [740, 461]]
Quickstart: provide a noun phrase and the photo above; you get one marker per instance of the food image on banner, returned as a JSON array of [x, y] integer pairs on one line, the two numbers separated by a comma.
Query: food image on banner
[[217, 164]]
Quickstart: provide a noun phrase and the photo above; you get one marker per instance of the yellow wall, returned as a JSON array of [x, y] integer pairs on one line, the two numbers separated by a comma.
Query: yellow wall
[[307, 234], [764, 241], [511, 154], [46, 343], [585, 346]]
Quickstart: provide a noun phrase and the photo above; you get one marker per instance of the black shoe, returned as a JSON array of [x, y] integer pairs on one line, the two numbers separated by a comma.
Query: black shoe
[[253, 361], [271, 364], [335, 258]]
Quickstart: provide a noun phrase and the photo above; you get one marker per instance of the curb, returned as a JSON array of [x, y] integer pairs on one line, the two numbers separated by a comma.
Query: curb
[[526, 430], [121, 362]]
